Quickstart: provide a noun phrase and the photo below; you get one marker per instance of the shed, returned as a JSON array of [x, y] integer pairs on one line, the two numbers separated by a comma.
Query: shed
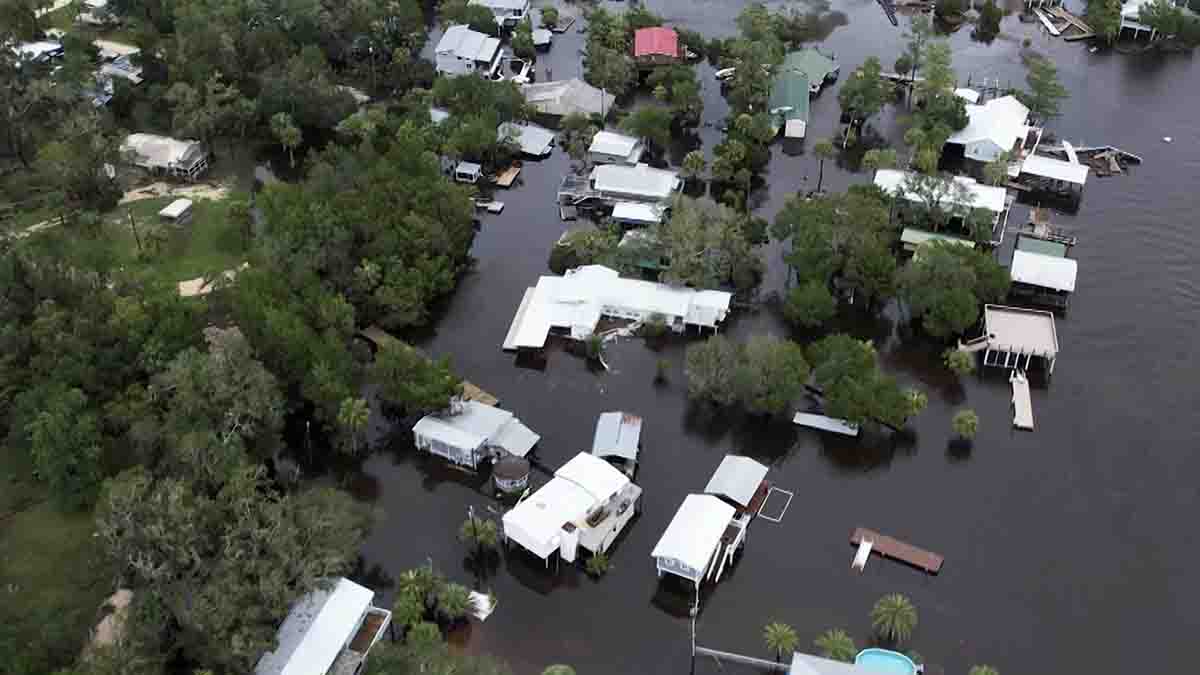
[[178, 211], [534, 140], [564, 97], [618, 434], [324, 628], [656, 43], [691, 542], [737, 479], [612, 148], [825, 423], [474, 433], [467, 172]]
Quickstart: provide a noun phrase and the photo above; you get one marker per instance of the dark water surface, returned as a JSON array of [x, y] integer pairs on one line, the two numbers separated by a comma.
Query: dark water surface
[[1068, 550]]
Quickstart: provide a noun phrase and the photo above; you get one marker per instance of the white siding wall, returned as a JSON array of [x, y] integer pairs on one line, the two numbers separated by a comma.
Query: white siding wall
[[452, 65]]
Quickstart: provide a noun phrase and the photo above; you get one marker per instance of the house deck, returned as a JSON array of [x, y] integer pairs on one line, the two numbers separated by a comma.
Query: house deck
[[898, 550]]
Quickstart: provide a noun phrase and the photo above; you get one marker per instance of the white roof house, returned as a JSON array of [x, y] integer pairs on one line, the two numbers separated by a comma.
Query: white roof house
[[737, 479], [975, 196], [475, 433], [162, 153], [563, 97], [617, 435], [587, 503], [1044, 271], [38, 52], [1000, 125], [575, 302], [534, 140], [639, 182], [329, 630], [692, 541], [461, 51], [507, 12], [610, 147]]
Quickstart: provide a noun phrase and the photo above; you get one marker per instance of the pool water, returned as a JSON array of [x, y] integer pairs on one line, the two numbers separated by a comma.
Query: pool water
[[885, 661]]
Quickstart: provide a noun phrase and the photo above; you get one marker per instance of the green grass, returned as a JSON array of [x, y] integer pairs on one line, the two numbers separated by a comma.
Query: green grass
[[52, 575]]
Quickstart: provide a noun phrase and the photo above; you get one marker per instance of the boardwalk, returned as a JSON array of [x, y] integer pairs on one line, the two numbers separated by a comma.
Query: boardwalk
[[898, 550], [1022, 405]]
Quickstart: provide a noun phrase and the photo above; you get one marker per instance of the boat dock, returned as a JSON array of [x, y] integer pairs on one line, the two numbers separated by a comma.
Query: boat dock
[[1022, 405], [506, 177], [898, 550]]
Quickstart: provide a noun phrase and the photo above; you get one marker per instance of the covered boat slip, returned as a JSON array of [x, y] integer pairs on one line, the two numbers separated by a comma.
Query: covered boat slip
[[1043, 279], [692, 545], [618, 436], [587, 504], [1014, 336], [739, 480]]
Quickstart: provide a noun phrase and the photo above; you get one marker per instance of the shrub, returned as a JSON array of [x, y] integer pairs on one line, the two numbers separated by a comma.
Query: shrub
[[661, 369], [965, 423], [959, 362], [597, 565], [549, 17]]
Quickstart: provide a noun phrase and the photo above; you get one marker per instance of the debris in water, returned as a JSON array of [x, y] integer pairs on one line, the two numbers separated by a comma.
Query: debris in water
[[1166, 139]]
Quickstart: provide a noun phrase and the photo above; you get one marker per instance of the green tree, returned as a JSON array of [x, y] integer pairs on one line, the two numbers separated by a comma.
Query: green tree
[[1045, 91], [824, 150], [610, 70], [965, 423], [711, 368], [407, 611], [1171, 24], [1104, 16], [771, 375], [478, 17], [852, 387], [287, 133], [213, 108], [988, 26], [522, 39], [836, 644], [865, 92], [694, 165], [995, 172], [65, 443], [810, 304], [549, 17], [454, 602], [916, 401], [353, 417], [946, 283], [597, 565], [894, 617], [877, 158], [73, 165], [582, 247], [988, 670], [411, 384], [575, 135], [559, 670], [920, 31], [480, 534], [651, 123], [959, 362], [780, 638], [707, 246]]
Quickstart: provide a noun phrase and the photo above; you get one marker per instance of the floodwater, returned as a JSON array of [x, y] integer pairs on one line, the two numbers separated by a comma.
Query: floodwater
[[1062, 546]]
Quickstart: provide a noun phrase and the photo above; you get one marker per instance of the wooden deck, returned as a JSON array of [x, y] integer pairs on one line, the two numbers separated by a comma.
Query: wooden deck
[[474, 393], [506, 177], [898, 550]]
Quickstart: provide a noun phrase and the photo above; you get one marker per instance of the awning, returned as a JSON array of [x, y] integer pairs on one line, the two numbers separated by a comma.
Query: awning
[[737, 478]]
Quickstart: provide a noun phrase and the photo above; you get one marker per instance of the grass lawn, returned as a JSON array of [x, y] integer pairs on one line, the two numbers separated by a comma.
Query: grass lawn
[[52, 575]]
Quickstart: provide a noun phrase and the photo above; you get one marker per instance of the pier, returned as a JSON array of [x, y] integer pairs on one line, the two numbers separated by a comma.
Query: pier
[[898, 550], [1022, 405]]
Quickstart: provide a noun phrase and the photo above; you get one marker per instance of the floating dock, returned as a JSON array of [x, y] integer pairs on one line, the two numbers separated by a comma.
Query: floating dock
[[898, 550], [1022, 404], [830, 424]]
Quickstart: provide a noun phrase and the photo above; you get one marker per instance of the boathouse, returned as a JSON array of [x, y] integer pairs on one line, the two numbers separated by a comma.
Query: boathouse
[[1047, 174], [463, 51], [1042, 273], [329, 631], [695, 545], [472, 433], [997, 126], [1014, 336], [572, 305], [618, 440], [958, 195], [613, 148], [586, 505]]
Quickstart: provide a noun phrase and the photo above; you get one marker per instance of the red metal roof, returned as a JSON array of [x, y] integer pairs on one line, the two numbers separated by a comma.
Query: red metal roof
[[655, 41]]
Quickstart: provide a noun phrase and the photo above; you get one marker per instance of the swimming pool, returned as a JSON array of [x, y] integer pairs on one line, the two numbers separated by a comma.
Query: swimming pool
[[885, 661]]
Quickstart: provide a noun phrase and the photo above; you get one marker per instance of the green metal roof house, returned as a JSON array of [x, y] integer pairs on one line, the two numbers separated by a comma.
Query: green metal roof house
[[814, 65], [788, 104]]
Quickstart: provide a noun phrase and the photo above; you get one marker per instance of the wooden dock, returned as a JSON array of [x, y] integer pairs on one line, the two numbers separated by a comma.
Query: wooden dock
[[506, 178], [1022, 404], [898, 550]]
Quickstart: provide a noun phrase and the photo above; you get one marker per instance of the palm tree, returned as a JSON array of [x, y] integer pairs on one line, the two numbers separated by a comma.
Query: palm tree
[[836, 644], [559, 669], [454, 602], [407, 611], [894, 617], [780, 638], [983, 670], [823, 150], [965, 424], [694, 164], [481, 533], [353, 415]]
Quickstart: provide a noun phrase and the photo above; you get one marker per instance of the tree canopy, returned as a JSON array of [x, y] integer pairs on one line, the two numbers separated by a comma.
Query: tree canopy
[[945, 284], [765, 376], [852, 387]]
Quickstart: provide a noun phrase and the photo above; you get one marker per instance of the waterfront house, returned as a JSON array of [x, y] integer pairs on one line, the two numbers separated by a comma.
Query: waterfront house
[[462, 51], [959, 196], [998, 126], [611, 183], [1041, 272], [696, 544], [788, 104], [586, 505], [572, 305], [613, 148], [472, 433], [508, 13], [329, 631], [819, 69], [559, 98], [656, 46], [164, 155], [533, 140], [638, 214], [618, 440]]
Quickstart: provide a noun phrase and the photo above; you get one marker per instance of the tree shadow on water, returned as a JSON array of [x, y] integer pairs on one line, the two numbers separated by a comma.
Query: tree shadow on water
[[872, 450]]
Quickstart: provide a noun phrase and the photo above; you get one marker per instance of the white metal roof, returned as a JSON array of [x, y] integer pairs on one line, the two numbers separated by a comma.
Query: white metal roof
[[1001, 120], [597, 477], [1018, 330], [807, 664], [534, 140], [1046, 271], [968, 95], [176, 208], [471, 428], [467, 44], [502, 4], [914, 238], [977, 195], [737, 478], [1048, 167], [640, 180], [563, 97], [610, 143], [577, 299], [617, 435], [159, 151], [826, 423], [37, 51], [516, 438], [638, 212], [316, 630], [695, 531]]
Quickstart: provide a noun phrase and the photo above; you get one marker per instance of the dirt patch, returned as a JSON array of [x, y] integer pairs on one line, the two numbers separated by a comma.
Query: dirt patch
[[155, 190]]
